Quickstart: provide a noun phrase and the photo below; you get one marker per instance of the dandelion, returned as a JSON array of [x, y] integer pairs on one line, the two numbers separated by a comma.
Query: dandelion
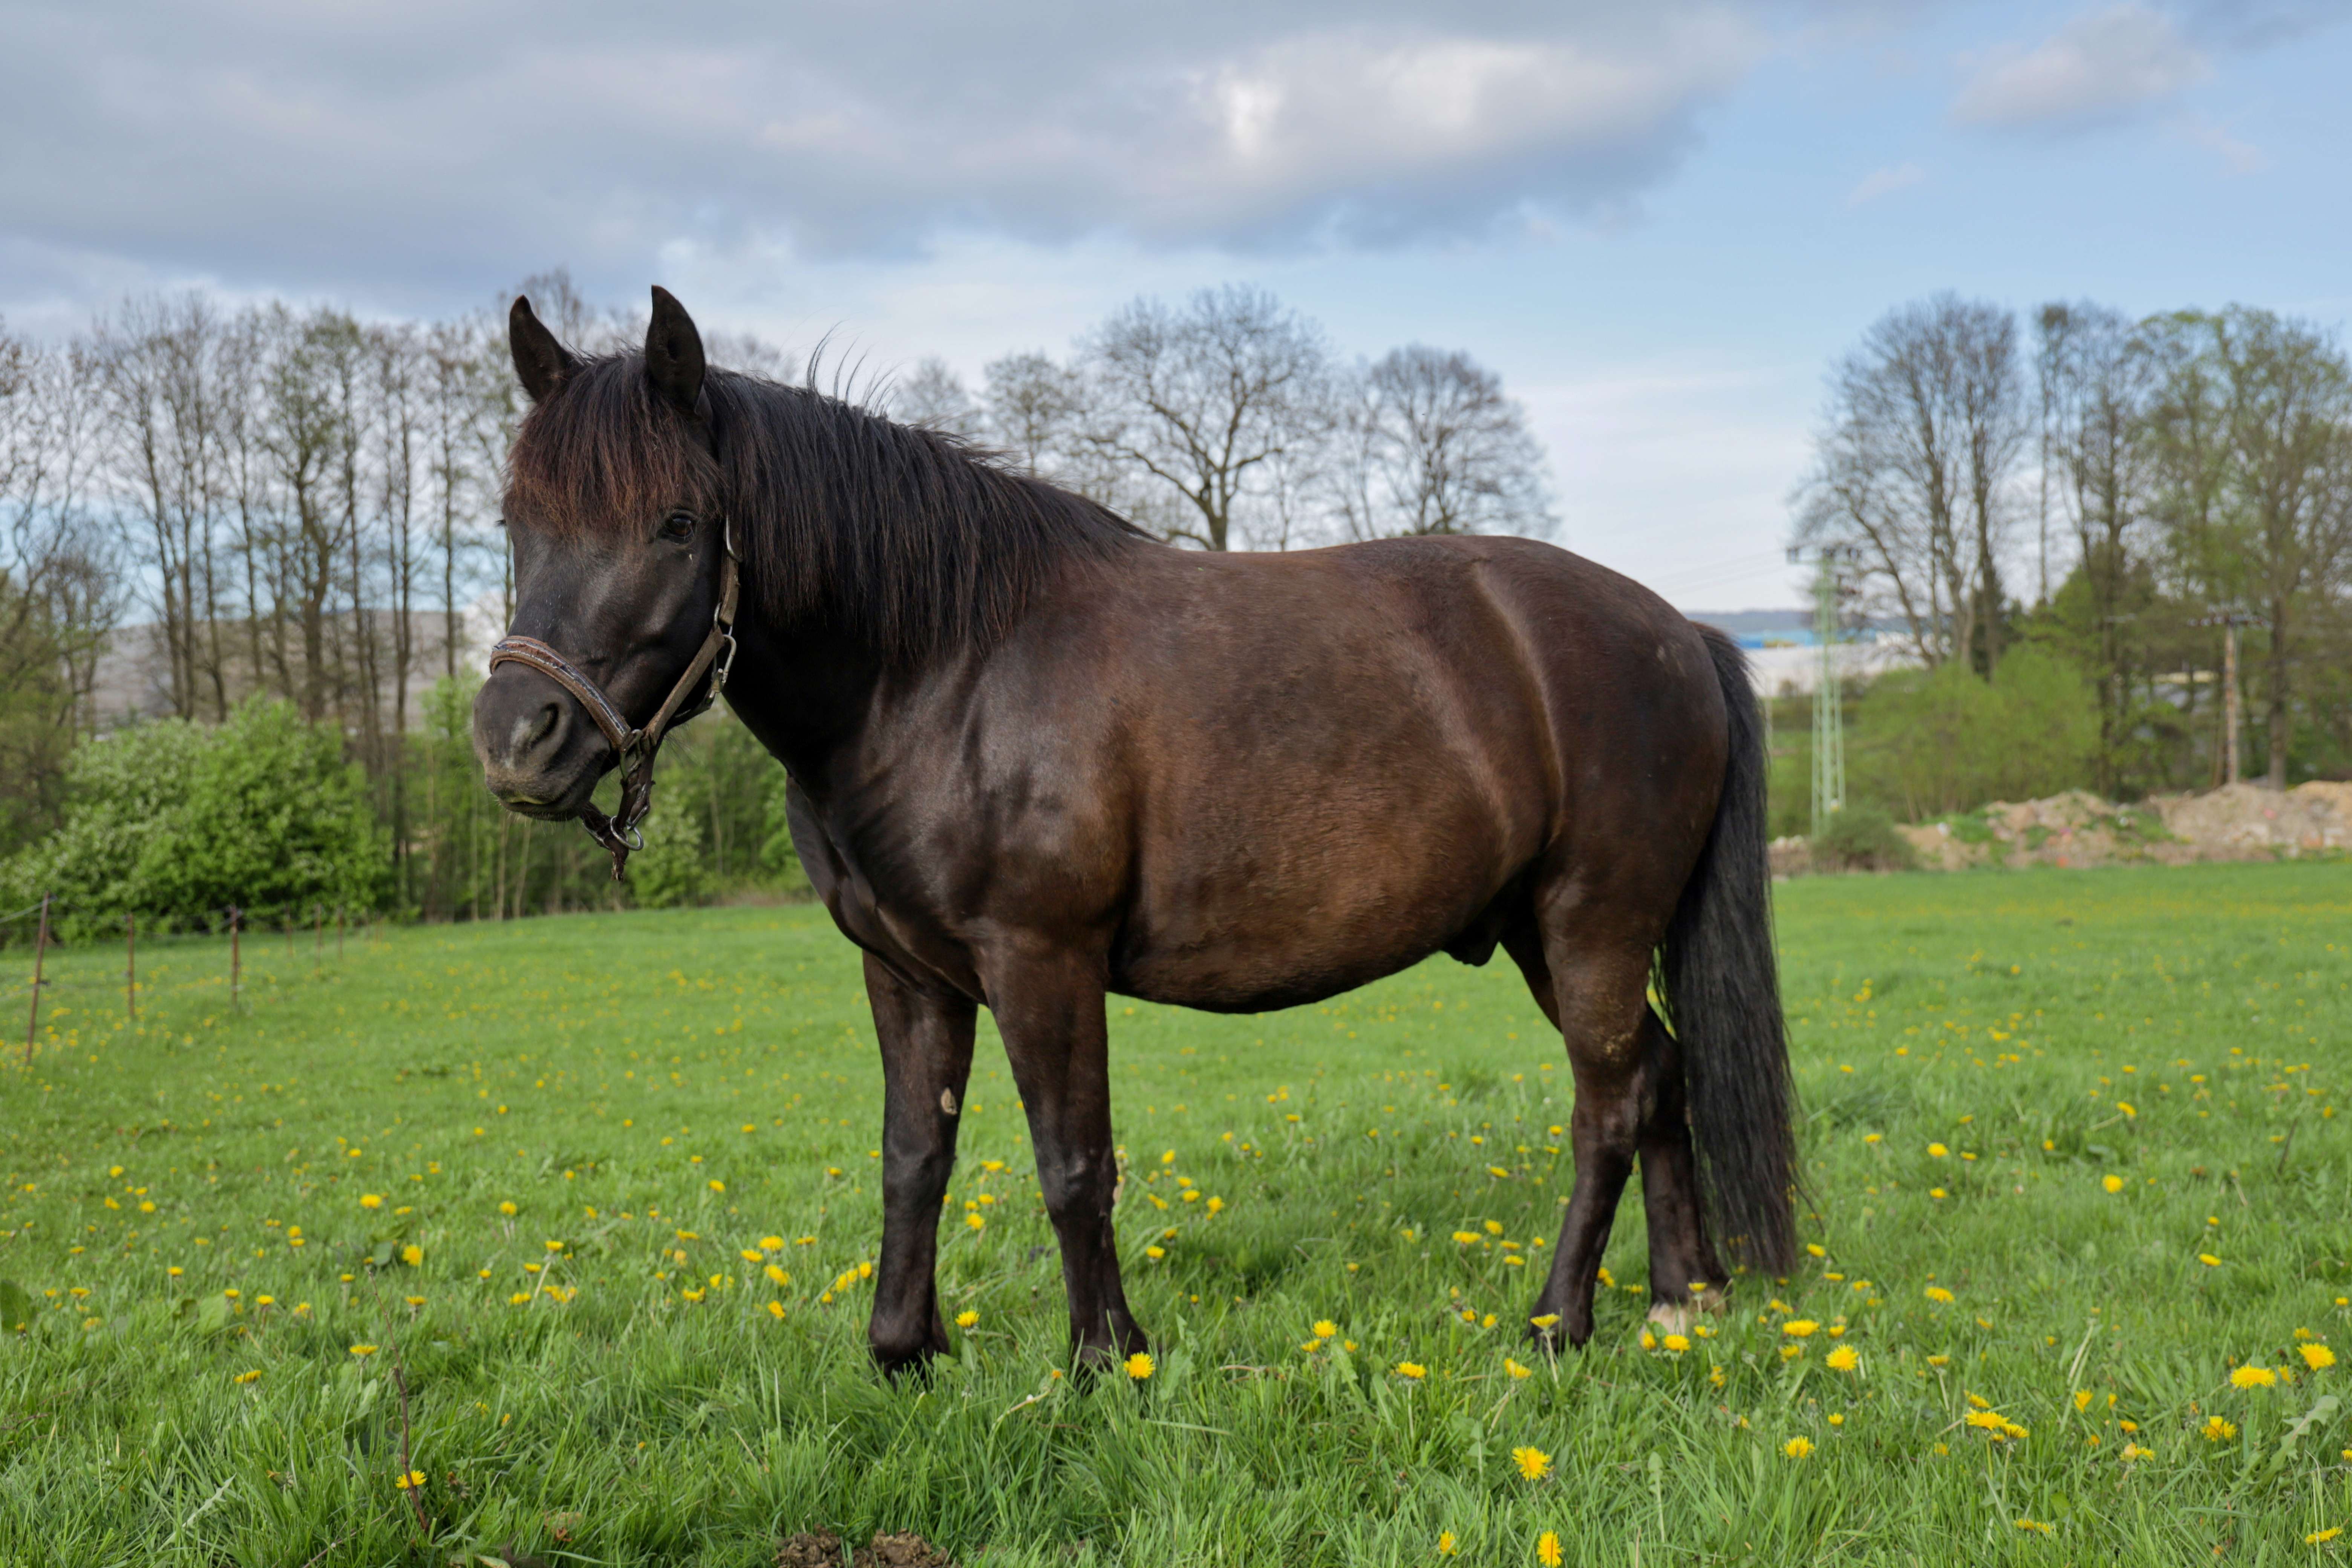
[[2217, 1430], [2209, 1260], [1412, 1369], [370, 1200], [1533, 1463], [975, 1221], [1445, 1544], [2032, 1524], [2253, 1377], [519, 1299], [718, 1186], [1548, 1550], [363, 1350], [1797, 1448], [413, 1255], [1938, 1293], [1799, 1328], [776, 1310], [1937, 1150], [2113, 1184], [772, 1244], [1843, 1358], [1466, 1236], [1515, 1370], [1139, 1365], [1676, 1343], [1325, 1329], [1938, 1360], [1546, 1321], [1216, 1205], [508, 1209], [2321, 1537], [409, 1481], [2317, 1357], [2134, 1451], [776, 1276], [967, 1319], [253, 1377]]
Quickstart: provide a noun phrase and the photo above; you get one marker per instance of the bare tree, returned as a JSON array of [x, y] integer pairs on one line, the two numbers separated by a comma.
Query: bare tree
[[1205, 400], [933, 396], [2251, 435], [1913, 466], [1428, 444]]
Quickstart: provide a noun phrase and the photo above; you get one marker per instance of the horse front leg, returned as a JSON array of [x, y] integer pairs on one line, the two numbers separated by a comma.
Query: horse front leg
[[925, 1060], [1049, 1007]]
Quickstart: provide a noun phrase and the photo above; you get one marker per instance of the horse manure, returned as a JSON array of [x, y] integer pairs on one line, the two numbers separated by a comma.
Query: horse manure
[[823, 1549]]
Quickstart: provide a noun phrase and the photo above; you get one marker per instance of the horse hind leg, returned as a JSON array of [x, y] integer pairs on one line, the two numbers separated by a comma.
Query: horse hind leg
[[1685, 1277], [1594, 993]]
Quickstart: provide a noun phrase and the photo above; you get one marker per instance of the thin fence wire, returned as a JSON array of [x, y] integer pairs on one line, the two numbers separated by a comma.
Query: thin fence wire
[[183, 982]]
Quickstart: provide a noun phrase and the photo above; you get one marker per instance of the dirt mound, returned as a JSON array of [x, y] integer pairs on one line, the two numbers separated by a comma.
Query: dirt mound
[[823, 1549], [2236, 822]]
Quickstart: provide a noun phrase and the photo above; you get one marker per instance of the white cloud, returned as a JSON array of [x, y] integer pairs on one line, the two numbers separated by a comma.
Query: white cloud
[[383, 149], [1884, 182], [2098, 68]]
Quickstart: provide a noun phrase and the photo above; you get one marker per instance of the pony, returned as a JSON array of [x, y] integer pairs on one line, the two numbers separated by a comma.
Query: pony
[[1036, 758]]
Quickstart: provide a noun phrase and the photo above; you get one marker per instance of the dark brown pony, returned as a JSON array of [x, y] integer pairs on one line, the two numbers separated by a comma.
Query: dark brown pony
[[1036, 757]]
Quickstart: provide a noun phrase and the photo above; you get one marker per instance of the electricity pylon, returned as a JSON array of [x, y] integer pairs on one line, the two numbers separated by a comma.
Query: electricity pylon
[[1831, 562]]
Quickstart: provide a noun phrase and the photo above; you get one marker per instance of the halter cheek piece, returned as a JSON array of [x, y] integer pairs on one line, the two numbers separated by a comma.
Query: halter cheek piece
[[637, 747]]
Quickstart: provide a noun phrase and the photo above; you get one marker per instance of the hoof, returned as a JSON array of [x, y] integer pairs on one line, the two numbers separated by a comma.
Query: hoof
[[1676, 1316]]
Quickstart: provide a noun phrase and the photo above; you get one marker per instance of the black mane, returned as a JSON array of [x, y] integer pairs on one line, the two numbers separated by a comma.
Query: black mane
[[909, 540]]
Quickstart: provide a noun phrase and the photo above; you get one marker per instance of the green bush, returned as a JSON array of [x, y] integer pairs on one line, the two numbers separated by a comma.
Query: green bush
[[1948, 741], [178, 821], [1861, 837]]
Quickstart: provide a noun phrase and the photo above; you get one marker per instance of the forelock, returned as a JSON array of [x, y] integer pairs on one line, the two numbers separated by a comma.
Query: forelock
[[602, 455]]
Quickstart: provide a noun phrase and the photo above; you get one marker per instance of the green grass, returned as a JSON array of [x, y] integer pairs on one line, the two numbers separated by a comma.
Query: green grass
[[606, 1075]]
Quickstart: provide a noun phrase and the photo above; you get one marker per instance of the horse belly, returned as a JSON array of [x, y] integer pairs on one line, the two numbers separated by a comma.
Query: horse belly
[[1317, 899]]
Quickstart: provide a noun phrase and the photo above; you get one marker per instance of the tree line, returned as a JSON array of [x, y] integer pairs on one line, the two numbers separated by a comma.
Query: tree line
[[2123, 494], [212, 513]]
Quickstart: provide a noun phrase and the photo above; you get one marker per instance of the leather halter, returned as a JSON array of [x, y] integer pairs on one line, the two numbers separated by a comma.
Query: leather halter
[[637, 747]]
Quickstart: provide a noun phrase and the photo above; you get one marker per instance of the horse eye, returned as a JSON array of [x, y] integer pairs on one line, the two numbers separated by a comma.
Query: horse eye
[[678, 525]]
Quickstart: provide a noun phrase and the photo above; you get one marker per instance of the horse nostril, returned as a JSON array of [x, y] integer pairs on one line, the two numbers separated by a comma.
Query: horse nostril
[[530, 730]]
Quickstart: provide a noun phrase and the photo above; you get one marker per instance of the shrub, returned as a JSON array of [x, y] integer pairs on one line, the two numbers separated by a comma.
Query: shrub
[[1863, 838], [178, 821]]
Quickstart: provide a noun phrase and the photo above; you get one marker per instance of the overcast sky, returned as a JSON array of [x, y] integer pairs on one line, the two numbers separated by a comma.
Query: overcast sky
[[1658, 220]]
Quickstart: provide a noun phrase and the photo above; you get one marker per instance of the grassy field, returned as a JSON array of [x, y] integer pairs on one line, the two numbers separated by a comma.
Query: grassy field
[[567, 1223]]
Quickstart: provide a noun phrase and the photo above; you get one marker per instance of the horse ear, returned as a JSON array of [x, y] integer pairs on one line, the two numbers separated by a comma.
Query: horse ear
[[674, 361], [542, 364]]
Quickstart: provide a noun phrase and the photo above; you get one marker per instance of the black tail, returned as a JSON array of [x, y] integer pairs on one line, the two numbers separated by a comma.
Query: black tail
[[1723, 998]]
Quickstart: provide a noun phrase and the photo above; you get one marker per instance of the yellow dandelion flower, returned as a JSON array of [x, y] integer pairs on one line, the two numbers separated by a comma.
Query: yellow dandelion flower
[[1548, 1550], [2217, 1430], [1412, 1369], [370, 1200], [967, 1319], [2209, 1260], [253, 1377], [1445, 1544], [2317, 1357], [1533, 1463], [408, 1481], [1843, 1358], [776, 1310], [1797, 1448], [1515, 1370], [508, 1209], [1938, 1293], [1675, 1343], [363, 1350], [2321, 1537], [519, 1299], [413, 1255], [2113, 1184], [1937, 1150], [1325, 1329], [1546, 1321], [2032, 1524], [2134, 1451], [1799, 1328], [2253, 1377], [1139, 1365], [772, 1244]]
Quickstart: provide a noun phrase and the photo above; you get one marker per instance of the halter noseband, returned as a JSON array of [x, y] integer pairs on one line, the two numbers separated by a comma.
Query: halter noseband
[[637, 747]]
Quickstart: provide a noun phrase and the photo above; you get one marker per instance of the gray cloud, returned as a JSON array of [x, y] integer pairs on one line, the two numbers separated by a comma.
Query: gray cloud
[[2098, 69], [418, 148]]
